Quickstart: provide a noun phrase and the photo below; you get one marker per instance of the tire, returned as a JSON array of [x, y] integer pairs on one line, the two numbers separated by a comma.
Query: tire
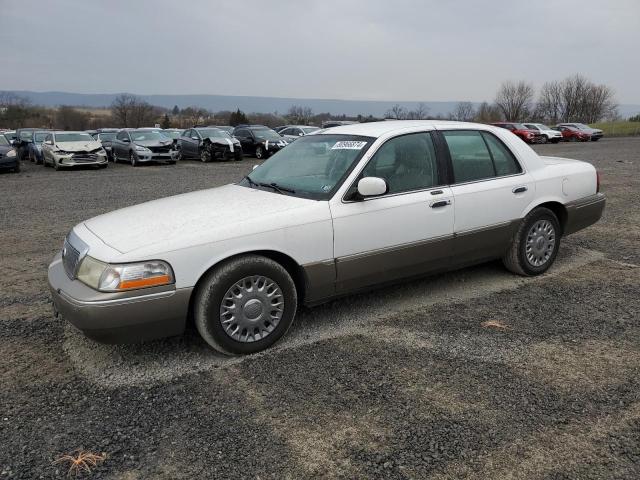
[[133, 160], [537, 240], [238, 156], [103, 166], [179, 156], [171, 162], [259, 152], [209, 304], [16, 169], [573, 139], [595, 139], [544, 139], [205, 155], [555, 140], [56, 165]]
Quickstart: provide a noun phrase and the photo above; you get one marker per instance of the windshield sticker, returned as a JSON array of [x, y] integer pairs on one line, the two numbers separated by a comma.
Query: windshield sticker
[[348, 145]]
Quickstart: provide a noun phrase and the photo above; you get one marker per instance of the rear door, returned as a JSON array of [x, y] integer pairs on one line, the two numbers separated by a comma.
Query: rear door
[[491, 192], [408, 231]]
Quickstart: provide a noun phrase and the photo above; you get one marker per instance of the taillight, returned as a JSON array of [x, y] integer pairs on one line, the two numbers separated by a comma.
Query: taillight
[[597, 181]]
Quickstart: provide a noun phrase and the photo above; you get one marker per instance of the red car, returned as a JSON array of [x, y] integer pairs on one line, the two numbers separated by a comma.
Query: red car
[[526, 134], [572, 134]]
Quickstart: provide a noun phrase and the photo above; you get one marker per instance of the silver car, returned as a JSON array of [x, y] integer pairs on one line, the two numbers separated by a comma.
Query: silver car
[[70, 149]]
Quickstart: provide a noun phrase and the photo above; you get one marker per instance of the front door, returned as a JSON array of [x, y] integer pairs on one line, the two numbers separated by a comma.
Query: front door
[[406, 232]]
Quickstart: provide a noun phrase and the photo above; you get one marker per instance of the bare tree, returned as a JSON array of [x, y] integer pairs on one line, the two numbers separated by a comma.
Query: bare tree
[[421, 112], [464, 112], [131, 111], [514, 100], [487, 113], [69, 118], [396, 112], [298, 115], [576, 99]]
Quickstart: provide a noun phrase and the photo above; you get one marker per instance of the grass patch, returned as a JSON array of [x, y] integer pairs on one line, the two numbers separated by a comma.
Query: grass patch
[[619, 129]]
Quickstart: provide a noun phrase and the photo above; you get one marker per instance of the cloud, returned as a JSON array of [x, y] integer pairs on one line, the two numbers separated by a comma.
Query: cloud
[[401, 50]]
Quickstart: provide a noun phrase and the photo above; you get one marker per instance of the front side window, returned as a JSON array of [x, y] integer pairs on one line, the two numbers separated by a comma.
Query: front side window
[[312, 167], [406, 163], [3, 140], [121, 135]]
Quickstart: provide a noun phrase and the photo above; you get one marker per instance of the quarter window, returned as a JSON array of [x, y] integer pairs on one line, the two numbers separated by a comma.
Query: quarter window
[[406, 163], [503, 160]]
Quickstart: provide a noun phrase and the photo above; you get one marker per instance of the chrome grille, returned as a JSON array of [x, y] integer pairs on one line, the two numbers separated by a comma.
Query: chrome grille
[[70, 259]]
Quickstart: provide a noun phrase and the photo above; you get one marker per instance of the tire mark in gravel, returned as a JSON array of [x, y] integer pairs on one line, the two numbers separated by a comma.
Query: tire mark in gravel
[[113, 366]]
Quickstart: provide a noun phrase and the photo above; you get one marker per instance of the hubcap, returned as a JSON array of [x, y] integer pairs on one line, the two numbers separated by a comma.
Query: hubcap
[[541, 240], [251, 309]]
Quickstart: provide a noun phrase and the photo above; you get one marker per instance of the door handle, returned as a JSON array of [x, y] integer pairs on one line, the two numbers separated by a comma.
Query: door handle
[[519, 190], [436, 192], [441, 203]]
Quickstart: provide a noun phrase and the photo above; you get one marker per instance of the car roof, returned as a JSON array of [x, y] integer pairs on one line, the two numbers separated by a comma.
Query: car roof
[[378, 129]]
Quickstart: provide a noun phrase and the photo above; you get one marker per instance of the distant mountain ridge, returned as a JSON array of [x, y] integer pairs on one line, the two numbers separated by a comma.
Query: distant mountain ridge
[[250, 104]]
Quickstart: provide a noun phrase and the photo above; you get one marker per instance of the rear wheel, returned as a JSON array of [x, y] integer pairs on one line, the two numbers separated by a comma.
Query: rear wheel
[[245, 305], [535, 245]]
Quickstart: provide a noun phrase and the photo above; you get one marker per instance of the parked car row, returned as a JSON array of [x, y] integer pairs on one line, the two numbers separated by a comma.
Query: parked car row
[[540, 133]]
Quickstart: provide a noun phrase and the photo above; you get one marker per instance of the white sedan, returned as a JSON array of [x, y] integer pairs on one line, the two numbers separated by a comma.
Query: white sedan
[[345, 210]]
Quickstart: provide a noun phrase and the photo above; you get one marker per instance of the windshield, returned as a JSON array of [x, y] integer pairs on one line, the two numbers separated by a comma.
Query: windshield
[[266, 134], [173, 134], [28, 135], [312, 166], [39, 137], [107, 136], [147, 135], [3, 140], [307, 130], [74, 137], [212, 132]]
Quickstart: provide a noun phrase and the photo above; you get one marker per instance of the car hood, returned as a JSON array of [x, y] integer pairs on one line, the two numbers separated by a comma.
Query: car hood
[[4, 149], [195, 218], [153, 143], [78, 146]]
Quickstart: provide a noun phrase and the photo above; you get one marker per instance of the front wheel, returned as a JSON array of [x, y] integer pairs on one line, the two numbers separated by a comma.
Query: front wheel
[[245, 305], [535, 245], [205, 155], [259, 152], [133, 159]]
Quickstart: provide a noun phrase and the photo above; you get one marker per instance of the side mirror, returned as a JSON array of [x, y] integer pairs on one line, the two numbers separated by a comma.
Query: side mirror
[[300, 134], [126, 140], [49, 142], [372, 187]]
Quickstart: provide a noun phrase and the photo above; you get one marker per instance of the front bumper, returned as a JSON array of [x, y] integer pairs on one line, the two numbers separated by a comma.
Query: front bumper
[[157, 156], [9, 162], [77, 160], [584, 212], [123, 317]]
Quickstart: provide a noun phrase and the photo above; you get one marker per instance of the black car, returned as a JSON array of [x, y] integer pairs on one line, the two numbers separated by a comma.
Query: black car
[[8, 156], [106, 140], [34, 148], [208, 143], [142, 145], [259, 140]]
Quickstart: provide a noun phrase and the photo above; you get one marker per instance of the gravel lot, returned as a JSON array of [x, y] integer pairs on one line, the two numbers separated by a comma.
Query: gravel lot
[[406, 382]]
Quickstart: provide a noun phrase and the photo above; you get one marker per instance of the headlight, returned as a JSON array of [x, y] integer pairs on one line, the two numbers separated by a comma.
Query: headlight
[[11, 153], [141, 148], [129, 276]]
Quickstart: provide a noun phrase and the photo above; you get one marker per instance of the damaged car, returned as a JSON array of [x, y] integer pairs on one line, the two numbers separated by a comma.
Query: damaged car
[[142, 145], [259, 140], [207, 144], [8, 157], [71, 149]]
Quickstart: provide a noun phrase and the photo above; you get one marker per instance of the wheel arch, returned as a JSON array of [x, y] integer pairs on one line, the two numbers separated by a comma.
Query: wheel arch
[[288, 263], [557, 208]]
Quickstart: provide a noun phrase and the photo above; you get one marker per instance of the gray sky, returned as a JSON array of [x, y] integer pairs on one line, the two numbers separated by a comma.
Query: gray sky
[[346, 49]]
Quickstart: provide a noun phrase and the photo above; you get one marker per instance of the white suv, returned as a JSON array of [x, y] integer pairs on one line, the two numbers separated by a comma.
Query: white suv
[[550, 135]]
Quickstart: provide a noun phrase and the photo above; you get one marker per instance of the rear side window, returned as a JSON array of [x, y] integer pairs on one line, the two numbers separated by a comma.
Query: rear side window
[[503, 160], [470, 156], [478, 156]]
